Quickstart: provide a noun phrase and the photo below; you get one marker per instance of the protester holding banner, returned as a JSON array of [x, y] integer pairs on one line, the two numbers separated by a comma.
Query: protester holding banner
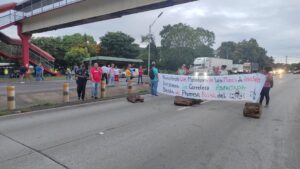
[[265, 92]]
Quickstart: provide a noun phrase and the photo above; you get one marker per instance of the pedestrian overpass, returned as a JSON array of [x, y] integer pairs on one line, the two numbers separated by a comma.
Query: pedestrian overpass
[[34, 16]]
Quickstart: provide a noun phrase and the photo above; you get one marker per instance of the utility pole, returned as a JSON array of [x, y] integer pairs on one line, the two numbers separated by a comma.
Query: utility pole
[[150, 40], [286, 60]]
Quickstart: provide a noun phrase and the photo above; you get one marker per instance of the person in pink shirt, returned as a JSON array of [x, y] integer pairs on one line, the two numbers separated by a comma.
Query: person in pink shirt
[[96, 76], [140, 78], [265, 92]]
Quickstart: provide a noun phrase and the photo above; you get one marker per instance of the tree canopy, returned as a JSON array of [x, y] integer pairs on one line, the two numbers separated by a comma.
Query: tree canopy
[[245, 51], [60, 46], [181, 44], [118, 44], [76, 55]]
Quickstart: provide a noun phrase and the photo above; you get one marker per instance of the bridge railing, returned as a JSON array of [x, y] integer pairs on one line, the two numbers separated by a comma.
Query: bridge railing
[[16, 51], [12, 50], [33, 9]]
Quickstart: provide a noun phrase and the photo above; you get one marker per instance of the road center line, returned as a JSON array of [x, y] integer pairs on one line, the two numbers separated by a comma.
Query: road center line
[[205, 102], [183, 108]]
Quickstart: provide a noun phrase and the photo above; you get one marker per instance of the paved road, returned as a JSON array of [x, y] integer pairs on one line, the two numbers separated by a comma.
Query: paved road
[[157, 135]]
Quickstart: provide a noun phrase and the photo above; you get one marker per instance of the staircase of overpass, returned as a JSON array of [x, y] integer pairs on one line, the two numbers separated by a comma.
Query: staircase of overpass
[[12, 49], [12, 14]]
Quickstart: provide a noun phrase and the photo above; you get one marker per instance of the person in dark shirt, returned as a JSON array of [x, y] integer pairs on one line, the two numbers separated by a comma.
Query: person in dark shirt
[[82, 76]]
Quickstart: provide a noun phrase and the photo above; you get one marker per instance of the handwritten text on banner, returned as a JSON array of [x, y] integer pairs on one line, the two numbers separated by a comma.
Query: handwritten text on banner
[[245, 87]]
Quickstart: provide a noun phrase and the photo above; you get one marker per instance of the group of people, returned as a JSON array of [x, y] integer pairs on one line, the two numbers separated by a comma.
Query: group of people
[[108, 73], [129, 73], [185, 70], [38, 72]]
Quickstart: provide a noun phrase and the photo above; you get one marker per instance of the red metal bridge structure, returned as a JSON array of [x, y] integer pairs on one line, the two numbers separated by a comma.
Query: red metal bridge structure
[[34, 16], [21, 49]]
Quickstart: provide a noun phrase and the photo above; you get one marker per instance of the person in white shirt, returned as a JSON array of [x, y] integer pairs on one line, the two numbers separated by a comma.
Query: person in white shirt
[[223, 70], [111, 74], [105, 73], [117, 74]]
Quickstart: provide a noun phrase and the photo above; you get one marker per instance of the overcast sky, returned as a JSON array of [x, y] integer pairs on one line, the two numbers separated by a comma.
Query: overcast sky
[[273, 23]]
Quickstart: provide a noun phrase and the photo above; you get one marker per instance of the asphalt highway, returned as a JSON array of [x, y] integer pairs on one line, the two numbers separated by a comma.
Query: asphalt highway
[[156, 134]]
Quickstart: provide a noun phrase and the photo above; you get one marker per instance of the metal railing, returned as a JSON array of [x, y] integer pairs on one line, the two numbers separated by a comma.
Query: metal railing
[[38, 59], [16, 51], [12, 50], [33, 9]]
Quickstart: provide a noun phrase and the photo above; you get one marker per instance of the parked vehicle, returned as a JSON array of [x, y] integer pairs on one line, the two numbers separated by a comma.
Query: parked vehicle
[[237, 68], [250, 67], [204, 65], [296, 71]]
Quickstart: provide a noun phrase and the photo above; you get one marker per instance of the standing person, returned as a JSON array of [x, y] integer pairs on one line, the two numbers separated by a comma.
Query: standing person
[[191, 70], [76, 68], [117, 74], [38, 72], [140, 78], [42, 72], [265, 92], [82, 76], [131, 72], [96, 75], [223, 70], [105, 73], [128, 73], [111, 74], [22, 73], [68, 74], [182, 70], [154, 79]]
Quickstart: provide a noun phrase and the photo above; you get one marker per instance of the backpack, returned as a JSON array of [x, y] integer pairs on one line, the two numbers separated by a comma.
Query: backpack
[[151, 74]]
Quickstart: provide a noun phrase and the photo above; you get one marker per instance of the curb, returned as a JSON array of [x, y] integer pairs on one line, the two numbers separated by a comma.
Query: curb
[[61, 106]]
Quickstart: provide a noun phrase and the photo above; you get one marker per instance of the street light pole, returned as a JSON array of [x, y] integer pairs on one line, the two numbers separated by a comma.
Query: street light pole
[[150, 40]]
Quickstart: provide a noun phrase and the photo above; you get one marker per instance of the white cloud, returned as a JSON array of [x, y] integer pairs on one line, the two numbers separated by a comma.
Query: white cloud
[[274, 23]]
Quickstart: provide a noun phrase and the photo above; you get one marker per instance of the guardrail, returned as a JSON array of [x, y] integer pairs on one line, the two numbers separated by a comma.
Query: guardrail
[[33, 9]]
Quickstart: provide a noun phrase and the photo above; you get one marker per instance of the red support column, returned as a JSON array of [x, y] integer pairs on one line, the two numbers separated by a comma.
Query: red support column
[[25, 46]]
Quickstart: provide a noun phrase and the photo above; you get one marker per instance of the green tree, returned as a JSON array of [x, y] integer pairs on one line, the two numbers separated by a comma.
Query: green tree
[[54, 46], [118, 44], [226, 50], [245, 51], [79, 40], [76, 55], [58, 47], [181, 44]]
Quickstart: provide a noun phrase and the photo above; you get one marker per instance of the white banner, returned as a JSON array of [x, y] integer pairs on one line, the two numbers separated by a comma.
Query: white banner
[[243, 87]]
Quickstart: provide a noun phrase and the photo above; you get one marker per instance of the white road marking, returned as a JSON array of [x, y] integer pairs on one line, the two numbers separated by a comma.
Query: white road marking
[[183, 108], [205, 102]]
